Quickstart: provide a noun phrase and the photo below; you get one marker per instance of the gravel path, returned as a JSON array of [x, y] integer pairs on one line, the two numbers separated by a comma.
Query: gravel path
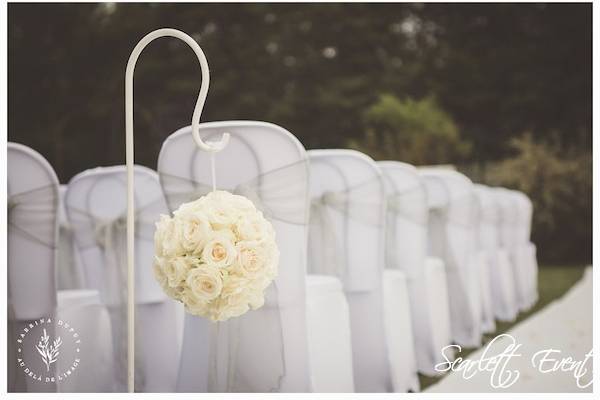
[[564, 325]]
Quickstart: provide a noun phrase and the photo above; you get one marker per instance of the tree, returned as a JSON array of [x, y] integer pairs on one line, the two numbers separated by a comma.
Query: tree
[[560, 187], [414, 131]]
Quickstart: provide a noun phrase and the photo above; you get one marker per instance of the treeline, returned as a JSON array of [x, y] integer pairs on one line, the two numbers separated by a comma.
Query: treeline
[[500, 88]]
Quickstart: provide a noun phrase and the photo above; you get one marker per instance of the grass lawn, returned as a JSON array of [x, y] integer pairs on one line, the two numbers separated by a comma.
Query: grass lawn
[[553, 282]]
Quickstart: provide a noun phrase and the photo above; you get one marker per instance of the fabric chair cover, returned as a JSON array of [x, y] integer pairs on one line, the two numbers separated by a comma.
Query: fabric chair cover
[[438, 302], [507, 239], [329, 341], [531, 254], [33, 201], [450, 193], [265, 350], [93, 321], [96, 206], [398, 327], [32, 238], [485, 212], [526, 264], [406, 250], [500, 272], [69, 271], [346, 240]]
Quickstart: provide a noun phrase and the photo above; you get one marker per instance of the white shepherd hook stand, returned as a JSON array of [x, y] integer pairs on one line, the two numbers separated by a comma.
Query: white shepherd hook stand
[[212, 147]]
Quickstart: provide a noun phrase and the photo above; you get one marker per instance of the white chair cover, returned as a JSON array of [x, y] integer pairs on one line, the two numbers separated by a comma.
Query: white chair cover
[[346, 240], [406, 250], [264, 350], [525, 252], [501, 282], [329, 341], [69, 271], [507, 217], [439, 309], [96, 207], [451, 233], [93, 321], [32, 237], [531, 254], [33, 201], [485, 212], [398, 327]]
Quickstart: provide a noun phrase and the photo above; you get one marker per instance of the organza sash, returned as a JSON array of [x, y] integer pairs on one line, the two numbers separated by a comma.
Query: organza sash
[[459, 213], [280, 194], [463, 211], [408, 206], [33, 213], [247, 354], [109, 236], [327, 245]]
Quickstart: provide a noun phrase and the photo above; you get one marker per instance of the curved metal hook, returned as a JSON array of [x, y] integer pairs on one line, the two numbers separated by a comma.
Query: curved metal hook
[[212, 147]]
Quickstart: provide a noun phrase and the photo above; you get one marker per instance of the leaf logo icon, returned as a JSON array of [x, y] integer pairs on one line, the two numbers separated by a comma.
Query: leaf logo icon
[[48, 351]]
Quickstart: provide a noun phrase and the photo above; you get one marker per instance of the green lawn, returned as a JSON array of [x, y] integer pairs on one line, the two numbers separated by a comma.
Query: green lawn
[[553, 282]]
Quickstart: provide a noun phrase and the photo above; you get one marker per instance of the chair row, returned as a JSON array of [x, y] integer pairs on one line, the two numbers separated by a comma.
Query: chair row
[[382, 266]]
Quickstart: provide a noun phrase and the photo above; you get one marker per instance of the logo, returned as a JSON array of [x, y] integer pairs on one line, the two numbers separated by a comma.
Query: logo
[[503, 350], [48, 350]]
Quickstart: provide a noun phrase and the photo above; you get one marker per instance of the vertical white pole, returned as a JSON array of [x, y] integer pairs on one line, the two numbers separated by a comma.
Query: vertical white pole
[[129, 158]]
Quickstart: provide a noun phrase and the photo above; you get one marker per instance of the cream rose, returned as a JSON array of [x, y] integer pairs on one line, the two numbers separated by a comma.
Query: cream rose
[[195, 232], [253, 228], [205, 283], [219, 251], [229, 307], [176, 269], [252, 257], [167, 238], [193, 305]]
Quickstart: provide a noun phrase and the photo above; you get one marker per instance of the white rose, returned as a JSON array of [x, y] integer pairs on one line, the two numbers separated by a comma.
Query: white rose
[[167, 238], [195, 231], [189, 208], [233, 301], [176, 269], [223, 209], [219, 251], [229, 307], [161, 277], [159, 273], [257, 258], [242, 204], [193, 305], [159, 234], [252, 257], [218, 210], [256, 298], [253, 227], [205, 282]]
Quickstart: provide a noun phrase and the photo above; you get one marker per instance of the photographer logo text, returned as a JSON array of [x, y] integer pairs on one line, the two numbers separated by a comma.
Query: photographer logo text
[[48, 350]]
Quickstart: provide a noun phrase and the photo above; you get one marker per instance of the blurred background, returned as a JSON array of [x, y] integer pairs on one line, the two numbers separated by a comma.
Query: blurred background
[[502, 91]]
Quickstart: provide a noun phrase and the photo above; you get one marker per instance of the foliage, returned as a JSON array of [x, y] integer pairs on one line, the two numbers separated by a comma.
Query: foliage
[[560, 186], [315, 69], [414, 131], [312, 68]]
